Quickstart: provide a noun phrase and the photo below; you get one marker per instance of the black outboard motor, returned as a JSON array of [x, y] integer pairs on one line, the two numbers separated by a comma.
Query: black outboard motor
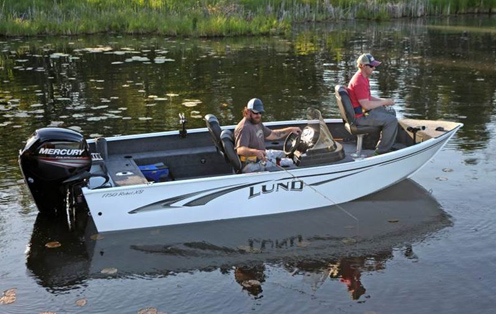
[[51, 158]]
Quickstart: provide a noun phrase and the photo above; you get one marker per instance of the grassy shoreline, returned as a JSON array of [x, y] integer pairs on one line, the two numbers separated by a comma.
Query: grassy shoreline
[[208, 18]]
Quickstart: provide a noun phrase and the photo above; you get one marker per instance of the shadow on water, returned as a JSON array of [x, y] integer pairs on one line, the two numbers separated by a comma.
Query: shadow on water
[[322, 244]]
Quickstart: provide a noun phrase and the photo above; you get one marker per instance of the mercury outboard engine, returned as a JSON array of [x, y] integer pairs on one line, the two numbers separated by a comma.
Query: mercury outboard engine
[[53, 160]]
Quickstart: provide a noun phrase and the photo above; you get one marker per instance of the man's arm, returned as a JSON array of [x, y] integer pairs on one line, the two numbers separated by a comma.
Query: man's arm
[[282, 133], [375, 102], [246, 151]]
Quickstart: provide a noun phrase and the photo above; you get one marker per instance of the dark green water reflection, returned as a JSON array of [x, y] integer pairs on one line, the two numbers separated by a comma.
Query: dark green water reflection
[[112, 85]]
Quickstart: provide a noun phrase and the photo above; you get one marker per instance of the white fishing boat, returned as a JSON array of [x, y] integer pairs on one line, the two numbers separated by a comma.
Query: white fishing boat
[[190, 176]]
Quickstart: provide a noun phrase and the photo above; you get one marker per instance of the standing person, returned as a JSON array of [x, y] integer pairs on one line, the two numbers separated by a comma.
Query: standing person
[[371, 110], [250, 135]]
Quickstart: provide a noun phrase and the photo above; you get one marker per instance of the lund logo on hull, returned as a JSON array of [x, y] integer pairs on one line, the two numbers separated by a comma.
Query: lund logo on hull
[[296, 185]]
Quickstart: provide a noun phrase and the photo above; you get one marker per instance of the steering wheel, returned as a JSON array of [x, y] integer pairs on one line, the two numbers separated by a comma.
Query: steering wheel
[[291, 143]]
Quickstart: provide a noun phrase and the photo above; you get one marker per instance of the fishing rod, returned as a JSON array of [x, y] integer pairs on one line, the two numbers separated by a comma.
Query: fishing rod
[[317, 191]]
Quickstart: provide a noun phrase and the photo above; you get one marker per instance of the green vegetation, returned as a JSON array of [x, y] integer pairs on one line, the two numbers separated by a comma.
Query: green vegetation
[[203, 18]]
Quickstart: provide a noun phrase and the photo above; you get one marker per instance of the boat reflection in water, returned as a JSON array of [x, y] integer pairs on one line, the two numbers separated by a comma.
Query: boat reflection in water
[[333, 243]]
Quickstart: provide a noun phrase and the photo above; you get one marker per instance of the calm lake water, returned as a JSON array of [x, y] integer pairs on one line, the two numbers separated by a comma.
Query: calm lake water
[[424, 246]]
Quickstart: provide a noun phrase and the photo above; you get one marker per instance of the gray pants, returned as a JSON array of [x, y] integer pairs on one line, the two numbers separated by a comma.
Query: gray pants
[[386, 119], [268, 165]]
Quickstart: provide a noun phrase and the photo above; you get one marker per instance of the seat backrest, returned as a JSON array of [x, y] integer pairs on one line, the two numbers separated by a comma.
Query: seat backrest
[[215, 131], [227, 138], [344, 103]]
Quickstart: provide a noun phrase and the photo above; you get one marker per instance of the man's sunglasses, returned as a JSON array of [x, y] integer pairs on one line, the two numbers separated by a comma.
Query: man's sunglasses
[[370, 66], [255, 112]]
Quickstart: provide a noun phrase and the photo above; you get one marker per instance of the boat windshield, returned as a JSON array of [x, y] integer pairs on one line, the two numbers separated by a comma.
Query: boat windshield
[[319, 131]]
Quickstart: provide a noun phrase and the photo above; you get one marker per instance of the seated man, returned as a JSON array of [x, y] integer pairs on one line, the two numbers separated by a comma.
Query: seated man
[[371, 110], [250, 135]]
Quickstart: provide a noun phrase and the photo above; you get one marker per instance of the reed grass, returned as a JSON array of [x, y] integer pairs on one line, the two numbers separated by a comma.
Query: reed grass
[[207, 17]]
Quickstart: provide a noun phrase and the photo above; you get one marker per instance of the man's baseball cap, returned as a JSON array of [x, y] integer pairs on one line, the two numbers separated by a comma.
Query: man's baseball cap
[[255, 105], [367, 58]]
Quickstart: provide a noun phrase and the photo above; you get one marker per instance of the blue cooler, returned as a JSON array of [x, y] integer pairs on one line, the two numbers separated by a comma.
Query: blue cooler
[[156, 173]]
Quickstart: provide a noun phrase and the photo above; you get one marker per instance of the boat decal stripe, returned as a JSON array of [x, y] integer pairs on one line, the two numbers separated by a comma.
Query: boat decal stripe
[[169, 203], [336, 178], [207, 198]]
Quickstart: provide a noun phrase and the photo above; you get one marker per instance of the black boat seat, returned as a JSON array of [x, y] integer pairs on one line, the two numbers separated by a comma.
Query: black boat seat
[[227, 138], [348, 115], [215, 131]]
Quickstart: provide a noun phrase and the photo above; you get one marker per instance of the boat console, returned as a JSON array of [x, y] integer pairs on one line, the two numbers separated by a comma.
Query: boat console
[[315, 144]]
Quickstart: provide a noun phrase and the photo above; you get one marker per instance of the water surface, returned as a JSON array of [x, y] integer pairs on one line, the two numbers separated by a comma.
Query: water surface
[[422, 246]]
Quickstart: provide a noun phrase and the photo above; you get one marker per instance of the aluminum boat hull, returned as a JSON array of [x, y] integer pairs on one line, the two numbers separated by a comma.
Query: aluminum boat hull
[[264, 193]]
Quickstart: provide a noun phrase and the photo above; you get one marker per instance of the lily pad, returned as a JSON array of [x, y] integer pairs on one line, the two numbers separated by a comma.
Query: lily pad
[[81, 302], [98, 49], [76, 128], [160, 60], [109, 271], [349, 241], [148, 310], [58, 55], [56, 123], [9, 296], [190, 104], [53, 245]]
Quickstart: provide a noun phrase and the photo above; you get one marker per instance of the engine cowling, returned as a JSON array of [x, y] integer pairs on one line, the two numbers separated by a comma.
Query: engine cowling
[[51, 157]]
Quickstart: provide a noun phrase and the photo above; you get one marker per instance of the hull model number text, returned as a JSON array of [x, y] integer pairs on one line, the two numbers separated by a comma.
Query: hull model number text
[[123, 193]]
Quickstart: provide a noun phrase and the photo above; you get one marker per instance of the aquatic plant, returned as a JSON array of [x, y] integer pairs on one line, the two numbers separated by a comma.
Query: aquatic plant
[[208, 17]]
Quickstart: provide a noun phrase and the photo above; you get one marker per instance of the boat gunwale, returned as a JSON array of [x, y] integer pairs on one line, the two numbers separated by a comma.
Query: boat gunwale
[[203, 130], [372, 161]]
